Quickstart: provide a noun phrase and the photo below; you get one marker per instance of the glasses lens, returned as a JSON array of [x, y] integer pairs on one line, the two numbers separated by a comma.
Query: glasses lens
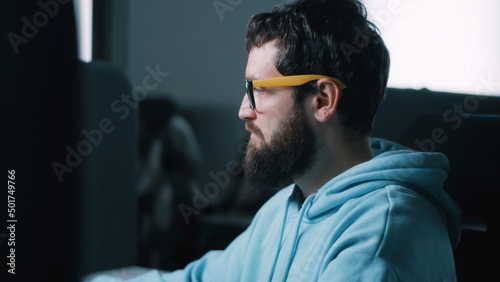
[[249, 90]]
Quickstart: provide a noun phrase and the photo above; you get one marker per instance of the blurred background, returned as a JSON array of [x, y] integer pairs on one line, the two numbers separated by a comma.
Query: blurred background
[[121, 120]]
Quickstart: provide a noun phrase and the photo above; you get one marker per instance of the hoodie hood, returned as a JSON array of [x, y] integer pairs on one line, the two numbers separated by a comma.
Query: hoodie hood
[[393, 164]]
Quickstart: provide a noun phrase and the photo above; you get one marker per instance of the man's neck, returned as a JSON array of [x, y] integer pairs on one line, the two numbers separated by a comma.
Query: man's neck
[[333, 158]]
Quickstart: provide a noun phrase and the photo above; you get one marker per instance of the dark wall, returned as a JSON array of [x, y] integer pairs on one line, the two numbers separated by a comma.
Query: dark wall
[[39, 114], [71, 158]]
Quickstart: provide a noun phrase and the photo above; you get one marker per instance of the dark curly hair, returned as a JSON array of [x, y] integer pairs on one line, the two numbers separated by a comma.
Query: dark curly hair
[[334, 38]]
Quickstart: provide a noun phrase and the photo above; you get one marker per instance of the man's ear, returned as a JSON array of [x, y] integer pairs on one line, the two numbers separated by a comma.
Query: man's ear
[[326, 99]]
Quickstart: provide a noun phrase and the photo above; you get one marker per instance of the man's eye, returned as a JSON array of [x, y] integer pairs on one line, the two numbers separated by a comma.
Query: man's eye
[[258, 90]]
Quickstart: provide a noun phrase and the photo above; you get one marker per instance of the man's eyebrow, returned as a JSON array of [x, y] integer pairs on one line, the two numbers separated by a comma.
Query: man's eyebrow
[[250, 77]]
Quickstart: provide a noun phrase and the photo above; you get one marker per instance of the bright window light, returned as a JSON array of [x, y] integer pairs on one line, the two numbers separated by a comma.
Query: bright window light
[[445, 45], [83, 15]]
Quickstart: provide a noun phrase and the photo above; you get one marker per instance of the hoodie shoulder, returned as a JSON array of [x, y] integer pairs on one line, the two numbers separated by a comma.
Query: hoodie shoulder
[[400, 227], [423, 172]]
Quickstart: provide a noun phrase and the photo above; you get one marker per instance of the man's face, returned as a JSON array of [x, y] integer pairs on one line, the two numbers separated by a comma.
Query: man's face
[[282, 143]]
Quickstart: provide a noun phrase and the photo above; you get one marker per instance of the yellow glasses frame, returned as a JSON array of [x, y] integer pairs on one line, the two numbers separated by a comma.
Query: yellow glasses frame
[[292, 80]]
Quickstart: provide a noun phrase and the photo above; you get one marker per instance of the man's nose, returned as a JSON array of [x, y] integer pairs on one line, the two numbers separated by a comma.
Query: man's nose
[[245, 111]]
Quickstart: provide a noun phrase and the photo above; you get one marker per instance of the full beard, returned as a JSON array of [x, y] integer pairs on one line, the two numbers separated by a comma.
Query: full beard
[[289, 154]]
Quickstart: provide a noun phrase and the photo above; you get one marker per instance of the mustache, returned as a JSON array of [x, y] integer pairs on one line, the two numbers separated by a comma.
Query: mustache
[[251, 127]]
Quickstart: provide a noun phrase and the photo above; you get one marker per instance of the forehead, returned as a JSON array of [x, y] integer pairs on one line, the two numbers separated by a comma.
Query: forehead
[[261, 62]]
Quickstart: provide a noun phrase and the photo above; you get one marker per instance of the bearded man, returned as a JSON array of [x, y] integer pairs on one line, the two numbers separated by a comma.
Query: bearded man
[[359, 209]]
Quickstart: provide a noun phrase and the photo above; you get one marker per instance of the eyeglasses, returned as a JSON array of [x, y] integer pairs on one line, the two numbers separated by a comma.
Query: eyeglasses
[[292, 80]]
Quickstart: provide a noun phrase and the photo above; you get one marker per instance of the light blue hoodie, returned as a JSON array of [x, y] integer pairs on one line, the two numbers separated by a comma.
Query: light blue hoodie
[[387, 219]]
